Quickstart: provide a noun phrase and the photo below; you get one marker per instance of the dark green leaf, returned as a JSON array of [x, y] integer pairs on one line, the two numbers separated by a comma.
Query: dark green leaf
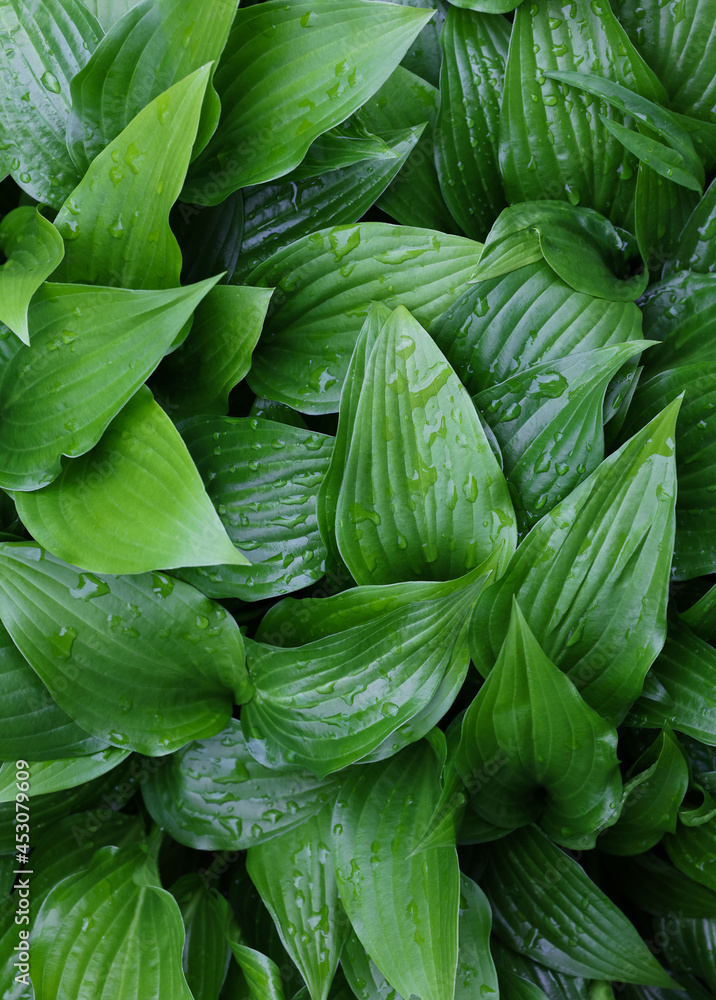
[[210, 237], [695, 249], [662, 208], [679, 311], [206, 954], [476, 976], [660, 888], [33, 249], [693, 850], [553, 985]]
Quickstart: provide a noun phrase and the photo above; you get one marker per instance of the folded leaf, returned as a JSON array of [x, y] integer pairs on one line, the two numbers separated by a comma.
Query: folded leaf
[[91, 350], [50, 43], [206, 953], [536, 890], [332, 701], [466, 136], [324, 285], [291, 73], [33, 249], [262, 975], [557, 758], [592, 576], [134, 503], [417, 435], [214, 796], [163, 654], [115, 224], [294, 876], [263, 478], [153, 46], [403, 908]]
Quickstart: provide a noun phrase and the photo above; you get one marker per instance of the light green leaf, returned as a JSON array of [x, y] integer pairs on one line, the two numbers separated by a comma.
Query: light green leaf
[[403, 907], [114, 925], [262, 975], [417, 434], [294, 876], [366, 981], [153, 46], [292, 73], [206, 953], [212, 795], [701, 616], [135, 503], [324, 286], [57, 775], [606, 552], [91, 350], [557, 758], [530, 915], [476, 975], [170, 660], [108, 11], [50, 43], [488, 6], [33, 249], [263, 478], [115, 224], [331, 702]]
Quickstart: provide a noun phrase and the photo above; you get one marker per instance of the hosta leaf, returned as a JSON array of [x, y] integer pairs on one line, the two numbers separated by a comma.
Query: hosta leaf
[[57, 775], [214, 796], [294, 876], [680, 688], [108, 11], [324, 285], [552, 143], [277, 214], [660, 888], [318, 67], [488, 334], [679, 311], [135, 503], [423, 57], [156, 44], [690, 946], [559, 766], [210, 237], [341, 146], [50, 43], [367, 982], [115, 224], [536, 890], [91, 350], [206, 954], [696, 991], [417, 433], [263, 478], [330, 702], [112, 925], [466, 136], [263, 977], [414, 197], [33, 249], [32, 725], [403, 908], [592, 576], [476, 974], [551, 984], [662, 208], [217, 354], [488, 6], [444, 824], [514, 987], [693, 850], [695, 249], [163, 654], [701, 616], [548, 421], [652, 799]]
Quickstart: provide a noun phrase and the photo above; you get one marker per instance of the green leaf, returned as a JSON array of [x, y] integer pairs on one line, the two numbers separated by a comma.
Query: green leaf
[[33, 249], [294, 876], [414, 198], [661, 210], [108, 11], [557, 758], [548, 421], [549, 983], [278, 214], [341, 146], [153, 46], [50, 44], [695, 249], [57, 775], [652, 799], [115, 224], [206, 954], [32, 725], [324, 285], [693, 850], [660, 888], [530, 316], [217, 353], [263, 977], [553, 143], [134, 503], [366, 981], [476, 975], [209, 237], [403, 907], [701, 616], [332, 701], [677, 312], [488, 6], [263, 478], [417, 434], [112, 925], [159, 651], [606, 552], [293, 72], [212, 795], [444, 825], [91, 350], [690, 946], [466, 135], [680, 689], [536, 890], [424, 57]]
